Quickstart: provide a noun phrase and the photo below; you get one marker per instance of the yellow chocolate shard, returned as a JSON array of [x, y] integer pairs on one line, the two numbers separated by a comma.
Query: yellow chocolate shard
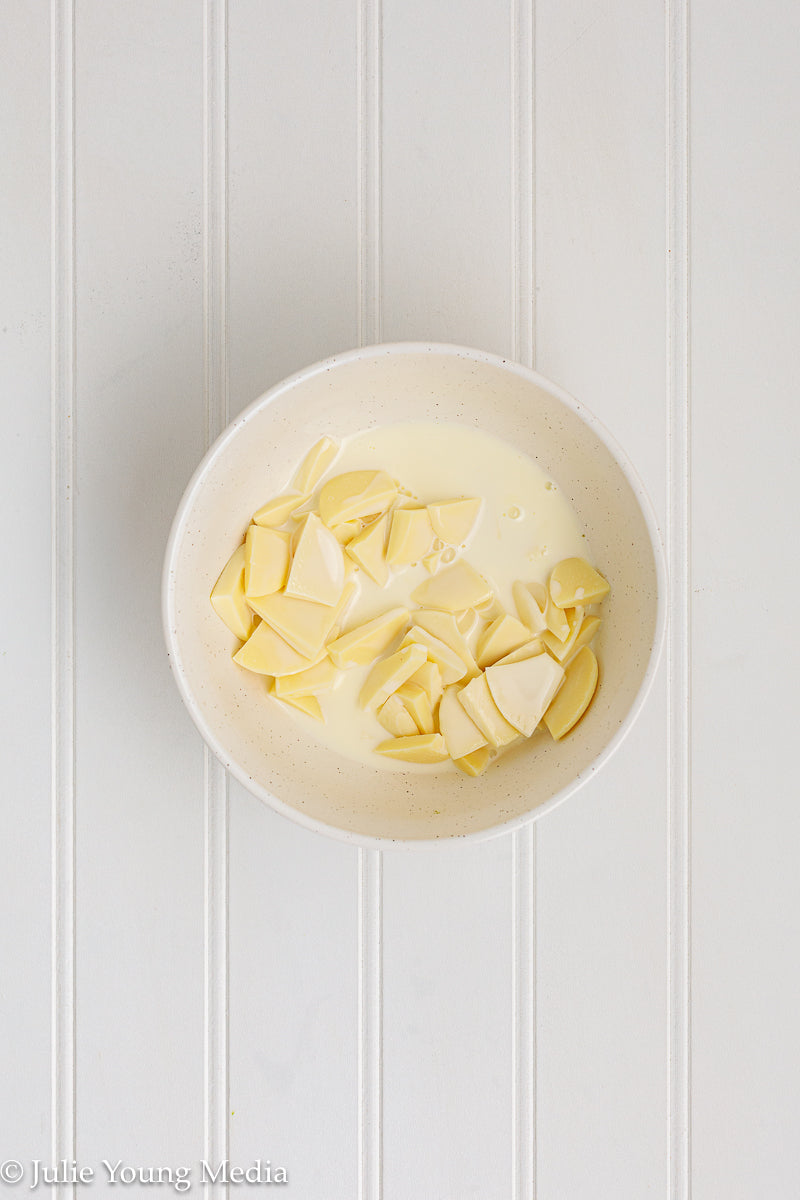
[[556, 620], [461, 735], [504, 634], [279, 509], [474, 764], [410, 537], [580, 684], [362, 645], [451, 665], [302, 623], [415, 698], [228, 598], [317, 570], [429, 677], [356, 494], [312, 681], [480, 706], [390, 673], [588, 629], [395, 718], [529, 609], [345, 532], [522, 691], [424, 748], [443, 625], [310, 705], [529, 650], [432, 561], [315, 464], [574, 581], [368, 550], [454, 520], [266, 560], [267, 653], [453, 589], [561, 651]]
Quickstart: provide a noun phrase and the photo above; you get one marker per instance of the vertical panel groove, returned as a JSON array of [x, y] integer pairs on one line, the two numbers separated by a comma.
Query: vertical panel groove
[[215, 328], [369, 170], [370, 862], [63, 583], [678, 540], [523, 883]]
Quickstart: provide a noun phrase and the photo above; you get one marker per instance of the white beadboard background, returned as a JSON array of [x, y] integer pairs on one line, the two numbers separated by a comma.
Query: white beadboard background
[[199, 197]]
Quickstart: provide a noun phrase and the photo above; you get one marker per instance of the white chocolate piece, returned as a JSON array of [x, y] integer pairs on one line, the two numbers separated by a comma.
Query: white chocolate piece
[[390, 673], [573, 581], [310, 705], [454, 589], [279, 509], [570, 704], [302, 623], [317, 570], [312, 681], [267, 653], [454, 520], [266, 560], [362, 645], [415, 698], [479, 704], [474, 764], [228, 599], [395, 718], [588, 629], [356, 494], [504, 634], [315, 464], [556, 620], [461, 735], [561, 651], [452, 666], [345, 532], [429, 677], [432, 561], [424, 748], [522, 691], [529, 650], [466, 621], [443, 625], [530, 611], [490, 610], [410, 537], [368, 550]]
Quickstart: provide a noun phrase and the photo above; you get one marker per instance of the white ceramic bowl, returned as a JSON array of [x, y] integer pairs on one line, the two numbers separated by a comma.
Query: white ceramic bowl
[[266, 749]]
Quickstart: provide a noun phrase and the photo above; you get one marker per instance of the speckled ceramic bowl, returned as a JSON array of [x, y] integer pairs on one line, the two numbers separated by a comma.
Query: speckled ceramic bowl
[[266, 749]]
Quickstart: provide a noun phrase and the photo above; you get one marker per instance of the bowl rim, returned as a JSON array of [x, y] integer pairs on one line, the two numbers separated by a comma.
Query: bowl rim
[[371, 351]]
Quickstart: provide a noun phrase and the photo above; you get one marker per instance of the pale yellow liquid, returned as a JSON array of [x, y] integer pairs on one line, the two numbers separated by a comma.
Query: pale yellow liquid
[[525, 527]]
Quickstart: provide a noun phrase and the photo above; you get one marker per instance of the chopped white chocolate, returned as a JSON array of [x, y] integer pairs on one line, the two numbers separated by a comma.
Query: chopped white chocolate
[[317, 570], [410, 537], [228, 599], [452, 666], [362, 645], [368, 550], [356, 494], [429, 677], [556, 620], [312, 681], [395, 717], [454, 520], [345, 532], [480, 706], [561, 651], [415, 698], [522, 691], [266, 560], [455, 588], [390, 673], [529, 650], [504, 634], [267, 653], [443, 625], [570, 704], [573, 581], [279, 509], [459, 731], [424, 748], [432, 561], [474, 764], [530, 611], [302, 623], [315, 464]]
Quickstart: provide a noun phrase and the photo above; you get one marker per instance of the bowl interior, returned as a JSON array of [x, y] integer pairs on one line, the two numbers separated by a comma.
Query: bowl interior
[[268, 750]]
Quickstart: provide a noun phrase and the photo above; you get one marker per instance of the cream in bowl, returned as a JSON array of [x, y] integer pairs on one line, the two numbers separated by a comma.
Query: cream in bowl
[[407, 503]]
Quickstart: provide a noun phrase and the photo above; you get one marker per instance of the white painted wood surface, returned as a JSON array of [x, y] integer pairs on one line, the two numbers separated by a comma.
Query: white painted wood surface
[[199, 198]]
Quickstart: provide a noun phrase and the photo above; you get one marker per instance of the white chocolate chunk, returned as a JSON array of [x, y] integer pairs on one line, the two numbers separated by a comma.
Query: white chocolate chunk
[[345, 532], [529, 650], [424, 748], [460, 733], [266, 560], [368, 550], [504, 634], [279, 509], [390, 673], [302, 623], [362, 645], [443, 625], [454, 520], [317, 570], [415, 698], [530, 611], [556, 619], [570, 704], [573, 581], [267, 653], [410, 537], [356, 494], [395, 718], [312, 681], [310, 705], [522, 691], [451, 665], [480, 706], [432, 561], [561, 651], [466, 621], [474, 764], [454, 589], [228, 599], [429, 677], [588, 629], [315, 464]]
